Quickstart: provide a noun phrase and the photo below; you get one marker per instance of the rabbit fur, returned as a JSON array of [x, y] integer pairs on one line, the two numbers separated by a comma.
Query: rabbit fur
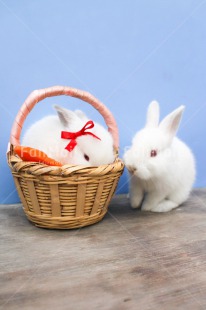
[[161, 166], [45, 135]]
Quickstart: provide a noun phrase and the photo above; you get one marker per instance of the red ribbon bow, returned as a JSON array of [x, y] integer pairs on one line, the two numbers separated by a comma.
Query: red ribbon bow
[[74, 135]]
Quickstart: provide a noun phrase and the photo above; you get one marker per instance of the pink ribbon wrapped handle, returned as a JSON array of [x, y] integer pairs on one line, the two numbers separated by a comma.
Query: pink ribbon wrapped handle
[[38, 95]]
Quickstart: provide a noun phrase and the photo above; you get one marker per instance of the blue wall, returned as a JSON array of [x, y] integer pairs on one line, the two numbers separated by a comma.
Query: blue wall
[[124, 52]]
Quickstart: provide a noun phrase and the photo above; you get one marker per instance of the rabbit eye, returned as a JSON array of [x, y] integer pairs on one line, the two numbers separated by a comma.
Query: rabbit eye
[[86, 157], [153, 153]]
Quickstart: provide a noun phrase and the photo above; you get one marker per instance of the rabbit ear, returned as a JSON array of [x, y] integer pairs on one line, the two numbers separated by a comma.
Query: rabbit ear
[[153, 115], [66, 116], [170, 123], [81, 115]]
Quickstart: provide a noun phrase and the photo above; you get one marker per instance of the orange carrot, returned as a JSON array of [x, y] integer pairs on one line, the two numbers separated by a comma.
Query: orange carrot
[[30, 154]]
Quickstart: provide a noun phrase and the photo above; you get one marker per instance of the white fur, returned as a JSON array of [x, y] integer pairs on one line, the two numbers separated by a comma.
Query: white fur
[[45, 135], [163, 182]]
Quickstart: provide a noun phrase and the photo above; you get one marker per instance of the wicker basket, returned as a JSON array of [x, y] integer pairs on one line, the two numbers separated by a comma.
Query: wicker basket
[[69, 196]]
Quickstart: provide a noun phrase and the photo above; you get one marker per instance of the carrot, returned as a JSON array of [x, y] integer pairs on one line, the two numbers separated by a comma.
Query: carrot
[[30, 154]]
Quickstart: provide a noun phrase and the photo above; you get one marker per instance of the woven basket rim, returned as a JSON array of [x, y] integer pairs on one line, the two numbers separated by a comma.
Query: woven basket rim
[[17, 165]]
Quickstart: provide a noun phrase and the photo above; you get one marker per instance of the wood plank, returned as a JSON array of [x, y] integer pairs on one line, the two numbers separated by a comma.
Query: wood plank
[[130, 260]]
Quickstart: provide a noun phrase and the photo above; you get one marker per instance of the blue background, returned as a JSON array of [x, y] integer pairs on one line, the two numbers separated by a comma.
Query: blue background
[[126, 53]]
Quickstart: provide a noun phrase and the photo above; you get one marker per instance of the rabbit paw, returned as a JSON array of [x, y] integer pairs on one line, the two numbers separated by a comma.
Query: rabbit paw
[[147, 207], [165, 206], [135, 201]]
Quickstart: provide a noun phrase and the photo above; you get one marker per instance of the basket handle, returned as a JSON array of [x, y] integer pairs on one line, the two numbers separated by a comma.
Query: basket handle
[[38, 95]]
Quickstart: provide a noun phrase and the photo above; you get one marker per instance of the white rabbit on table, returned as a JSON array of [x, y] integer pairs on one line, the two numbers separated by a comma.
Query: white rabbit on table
[[161, 166]]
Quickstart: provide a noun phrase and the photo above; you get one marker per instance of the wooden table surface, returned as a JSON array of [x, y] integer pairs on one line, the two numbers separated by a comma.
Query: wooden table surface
[[130, 260]]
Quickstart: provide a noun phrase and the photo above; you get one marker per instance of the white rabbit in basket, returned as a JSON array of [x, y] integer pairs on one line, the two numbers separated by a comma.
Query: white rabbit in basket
[[162, 168], [70, 138]]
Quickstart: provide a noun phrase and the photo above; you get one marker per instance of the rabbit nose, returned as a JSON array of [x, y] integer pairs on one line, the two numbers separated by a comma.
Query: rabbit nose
[[131, 169]]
